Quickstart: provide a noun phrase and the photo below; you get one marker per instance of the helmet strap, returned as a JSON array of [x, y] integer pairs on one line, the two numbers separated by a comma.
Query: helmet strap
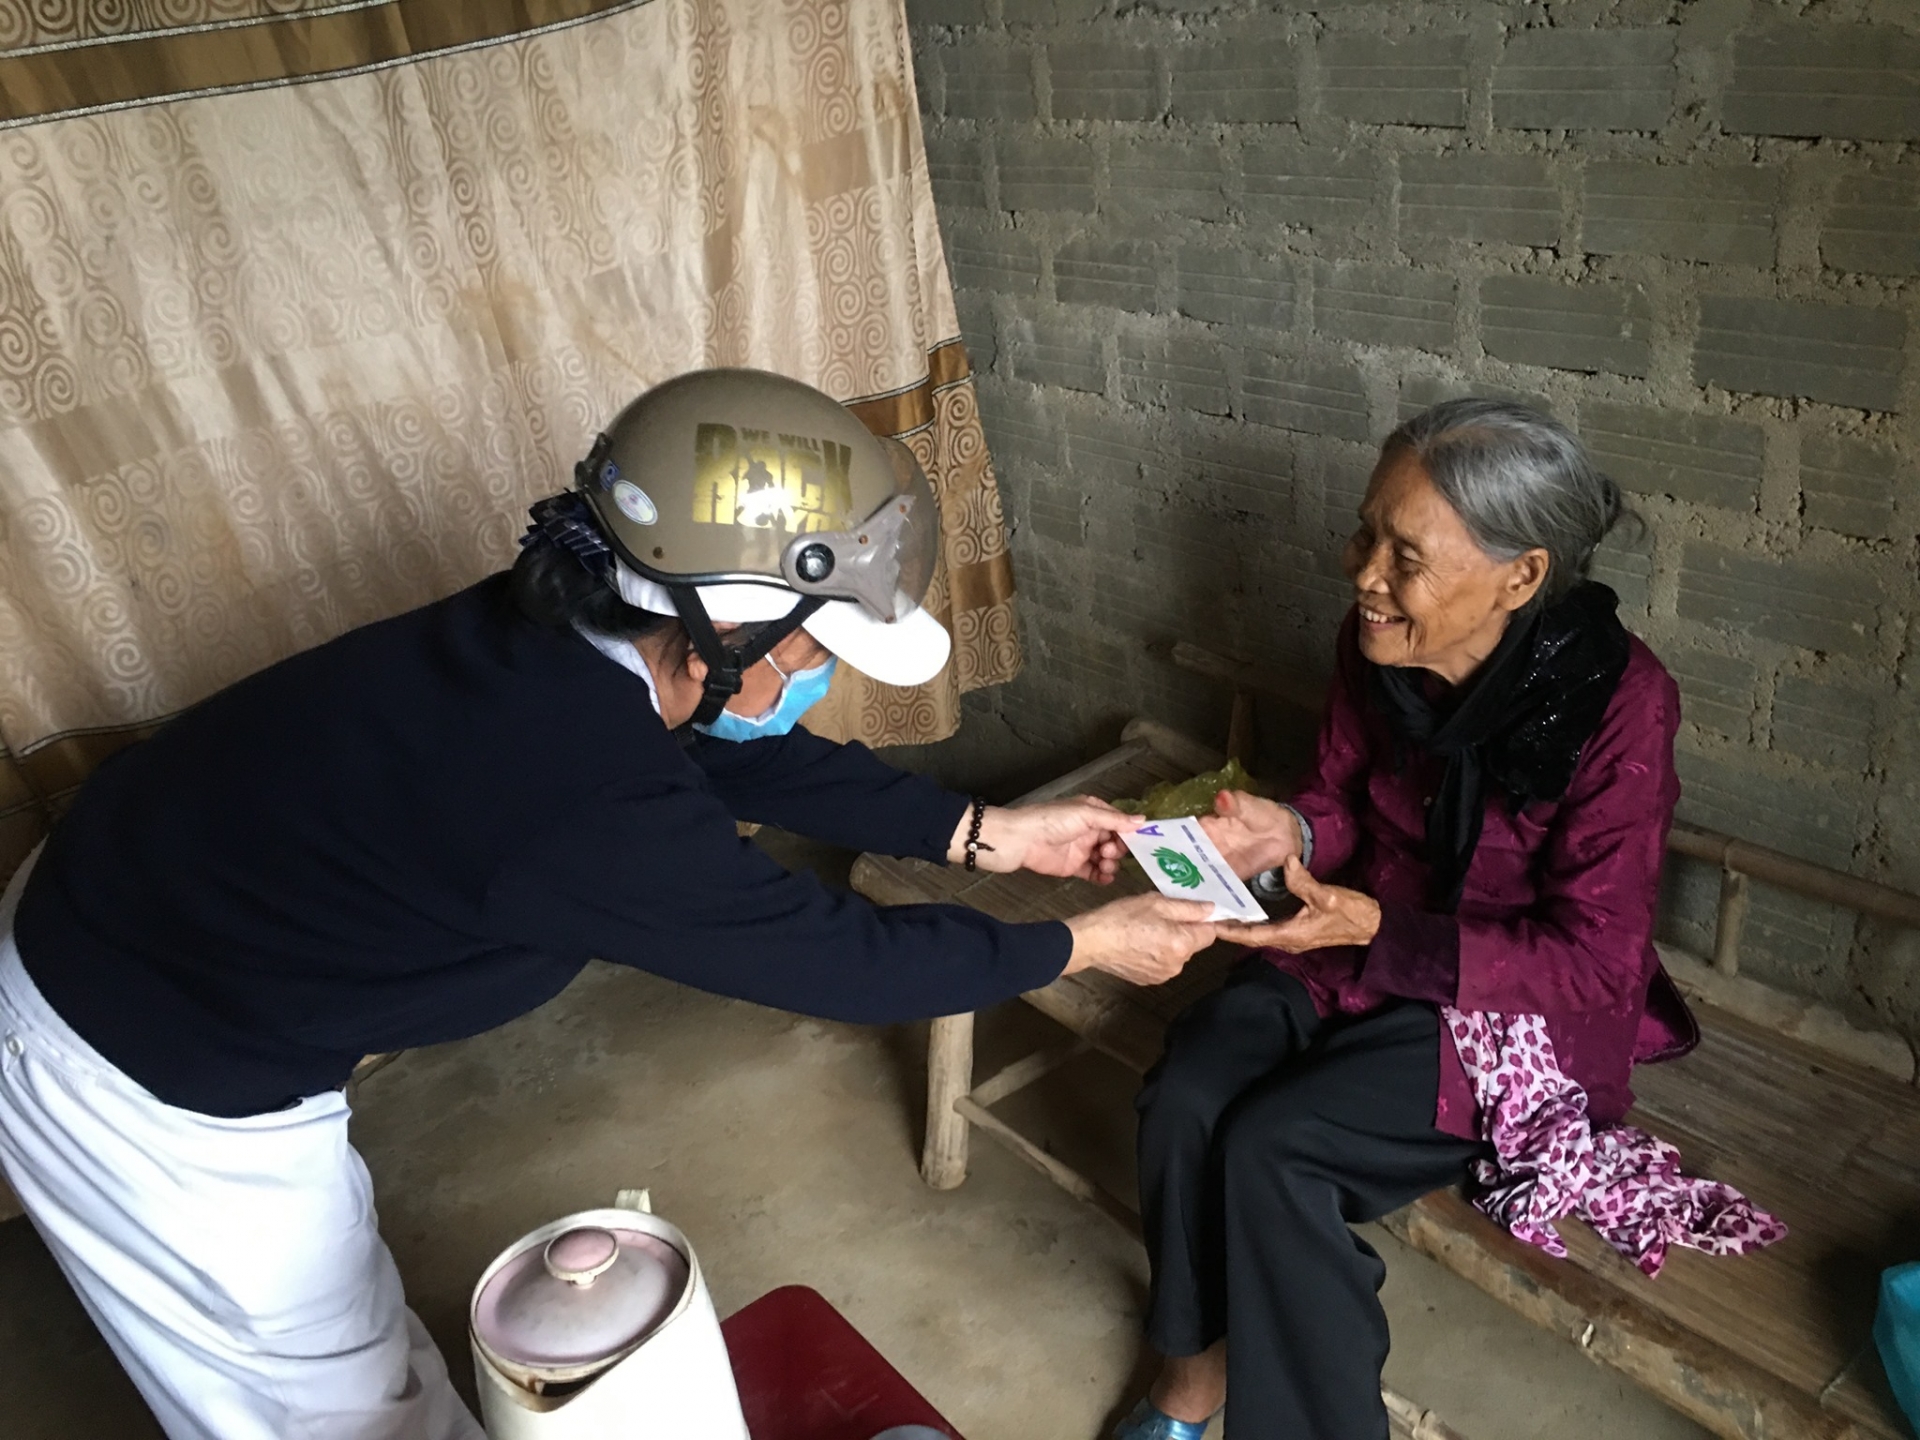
[[586, 471], [728, 664]]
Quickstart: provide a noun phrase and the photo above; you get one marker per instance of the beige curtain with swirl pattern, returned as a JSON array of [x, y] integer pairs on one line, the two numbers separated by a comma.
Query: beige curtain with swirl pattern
[[302, 303]]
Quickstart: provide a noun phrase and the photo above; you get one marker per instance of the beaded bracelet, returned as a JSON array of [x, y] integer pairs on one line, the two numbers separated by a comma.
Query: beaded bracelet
[[974, 845]]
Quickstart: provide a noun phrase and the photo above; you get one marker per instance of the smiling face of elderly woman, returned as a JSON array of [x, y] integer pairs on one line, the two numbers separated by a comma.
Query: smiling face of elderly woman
[[1477, 509], [1429, 596]]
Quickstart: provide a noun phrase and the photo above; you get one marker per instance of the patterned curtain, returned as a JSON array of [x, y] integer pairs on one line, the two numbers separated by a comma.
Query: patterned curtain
[[303, 301]]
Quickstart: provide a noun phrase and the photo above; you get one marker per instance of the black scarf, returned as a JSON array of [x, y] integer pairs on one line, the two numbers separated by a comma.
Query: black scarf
[[1519, 725]]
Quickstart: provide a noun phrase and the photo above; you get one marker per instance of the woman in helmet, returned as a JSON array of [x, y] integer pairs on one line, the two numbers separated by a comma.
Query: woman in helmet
[[427, 827]]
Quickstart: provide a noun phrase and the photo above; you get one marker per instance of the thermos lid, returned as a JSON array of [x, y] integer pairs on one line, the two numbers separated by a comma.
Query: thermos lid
[[586, 1297]]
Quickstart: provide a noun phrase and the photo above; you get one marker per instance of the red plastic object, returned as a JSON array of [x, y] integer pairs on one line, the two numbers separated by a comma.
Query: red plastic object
[[806, 1374]]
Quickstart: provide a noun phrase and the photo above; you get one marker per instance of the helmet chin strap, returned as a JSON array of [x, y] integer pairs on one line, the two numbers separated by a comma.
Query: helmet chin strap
[[727, 664]]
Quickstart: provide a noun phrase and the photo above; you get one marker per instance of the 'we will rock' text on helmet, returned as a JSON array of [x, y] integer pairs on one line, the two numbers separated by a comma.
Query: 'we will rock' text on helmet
[[724, 479]]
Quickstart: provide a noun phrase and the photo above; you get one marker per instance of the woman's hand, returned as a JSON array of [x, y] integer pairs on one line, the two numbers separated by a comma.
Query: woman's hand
[[1328, 915], [1252, 834], [1077, 838], [1144, 939]]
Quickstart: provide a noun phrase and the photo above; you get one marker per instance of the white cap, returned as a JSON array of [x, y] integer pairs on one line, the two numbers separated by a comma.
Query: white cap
[[908, 651]]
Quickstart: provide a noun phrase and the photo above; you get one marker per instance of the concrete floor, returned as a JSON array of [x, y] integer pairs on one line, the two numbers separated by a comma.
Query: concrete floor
[[786, 1148]]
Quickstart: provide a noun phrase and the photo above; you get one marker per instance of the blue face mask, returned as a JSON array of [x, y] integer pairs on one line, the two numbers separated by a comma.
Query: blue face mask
[[799, 692]]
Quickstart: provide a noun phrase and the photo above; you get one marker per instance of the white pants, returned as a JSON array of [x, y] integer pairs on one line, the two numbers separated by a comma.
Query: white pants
[[235, 1266]]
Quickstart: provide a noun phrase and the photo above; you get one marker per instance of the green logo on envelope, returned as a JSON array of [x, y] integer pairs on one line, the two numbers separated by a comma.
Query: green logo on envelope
[[1178, 868]]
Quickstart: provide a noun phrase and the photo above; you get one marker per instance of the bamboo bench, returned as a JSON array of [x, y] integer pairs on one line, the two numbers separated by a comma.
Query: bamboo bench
[[1772, 1346]]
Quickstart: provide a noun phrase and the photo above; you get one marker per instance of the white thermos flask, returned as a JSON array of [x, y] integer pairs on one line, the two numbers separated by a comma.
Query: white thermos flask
[[599, 1327]]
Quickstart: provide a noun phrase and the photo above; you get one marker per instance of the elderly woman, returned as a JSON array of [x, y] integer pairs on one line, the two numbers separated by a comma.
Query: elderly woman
[[1482, 829]]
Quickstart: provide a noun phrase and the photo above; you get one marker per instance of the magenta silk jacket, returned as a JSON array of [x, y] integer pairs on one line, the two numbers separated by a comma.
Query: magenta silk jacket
[[1557, 915]]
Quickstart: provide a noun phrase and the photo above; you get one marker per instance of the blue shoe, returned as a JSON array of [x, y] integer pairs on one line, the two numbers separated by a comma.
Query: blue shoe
[[1148, 1423]]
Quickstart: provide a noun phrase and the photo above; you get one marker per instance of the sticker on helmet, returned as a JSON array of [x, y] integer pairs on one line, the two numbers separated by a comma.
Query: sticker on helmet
[[764, 480], [634, 503]]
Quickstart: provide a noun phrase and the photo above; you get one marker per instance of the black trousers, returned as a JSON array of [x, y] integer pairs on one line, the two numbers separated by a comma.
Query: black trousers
[[1265, 1132]]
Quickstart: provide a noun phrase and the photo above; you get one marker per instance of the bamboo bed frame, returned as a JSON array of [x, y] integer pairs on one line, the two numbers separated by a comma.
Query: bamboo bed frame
[[1815, 1119]]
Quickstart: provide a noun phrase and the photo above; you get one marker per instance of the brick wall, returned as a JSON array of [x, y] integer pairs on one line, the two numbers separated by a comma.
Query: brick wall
[[1208, 254]]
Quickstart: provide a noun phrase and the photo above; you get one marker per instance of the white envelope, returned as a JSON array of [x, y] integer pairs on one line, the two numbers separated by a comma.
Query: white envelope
[[1182, 862]]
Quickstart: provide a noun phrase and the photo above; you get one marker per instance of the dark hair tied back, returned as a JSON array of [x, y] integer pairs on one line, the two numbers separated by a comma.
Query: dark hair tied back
[[565, 574], [567, 521]]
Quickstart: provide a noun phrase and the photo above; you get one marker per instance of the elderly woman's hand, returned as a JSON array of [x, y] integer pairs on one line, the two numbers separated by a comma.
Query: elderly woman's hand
[[1078, 838], [1252, 834], [1328, 915]]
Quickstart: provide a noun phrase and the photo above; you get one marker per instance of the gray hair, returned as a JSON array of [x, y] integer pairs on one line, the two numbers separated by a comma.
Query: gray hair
[[1519, 480]]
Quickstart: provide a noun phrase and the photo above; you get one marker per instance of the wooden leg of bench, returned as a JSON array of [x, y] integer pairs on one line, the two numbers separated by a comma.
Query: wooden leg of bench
[[1062, 1174], [1413, 1420], [943, 1164]]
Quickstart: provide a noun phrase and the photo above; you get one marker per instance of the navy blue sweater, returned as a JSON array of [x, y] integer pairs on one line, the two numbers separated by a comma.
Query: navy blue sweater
[[428, 826]]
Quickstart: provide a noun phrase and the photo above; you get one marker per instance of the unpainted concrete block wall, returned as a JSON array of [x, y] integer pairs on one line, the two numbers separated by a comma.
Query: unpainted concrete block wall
[[1210, 254], [1207, 255]]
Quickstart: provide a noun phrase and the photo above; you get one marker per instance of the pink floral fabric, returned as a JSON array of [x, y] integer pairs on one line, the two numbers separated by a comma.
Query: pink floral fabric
[[1550, 1161]]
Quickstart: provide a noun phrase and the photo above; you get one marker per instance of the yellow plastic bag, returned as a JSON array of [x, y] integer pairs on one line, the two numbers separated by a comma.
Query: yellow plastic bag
[[1173, 799]]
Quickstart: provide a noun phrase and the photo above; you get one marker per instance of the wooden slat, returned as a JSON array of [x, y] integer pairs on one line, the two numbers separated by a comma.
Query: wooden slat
[[1093, 777], [1790, 872], [1012, 1079], [1868, 1405], [1305, 689], [1063, 1175], [1410, 1421], [1109, 1021], [887, 881], [1690, 1371], [1833, 1150], [1793, 1016], [1188, 756]]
